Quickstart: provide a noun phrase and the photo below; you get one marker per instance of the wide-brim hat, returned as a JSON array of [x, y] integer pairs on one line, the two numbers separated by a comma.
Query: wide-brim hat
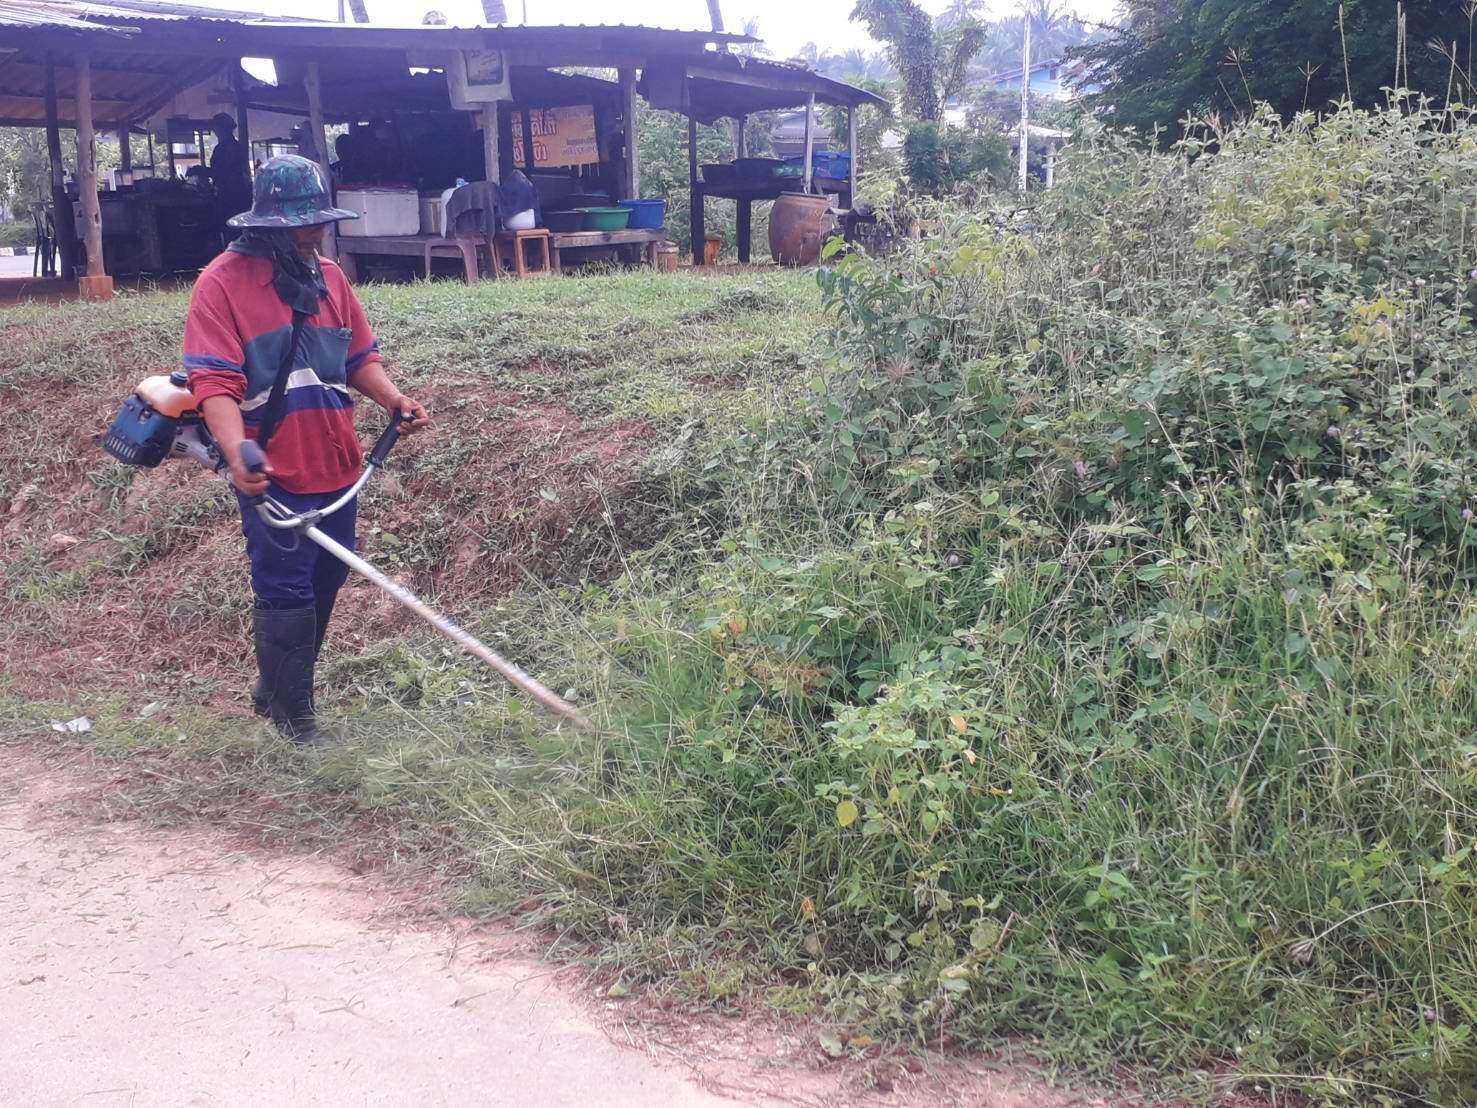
[[309, 219], [290, 191]]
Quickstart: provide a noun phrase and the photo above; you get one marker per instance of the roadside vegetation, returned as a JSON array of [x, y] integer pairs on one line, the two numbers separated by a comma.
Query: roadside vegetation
[[1071, 654]]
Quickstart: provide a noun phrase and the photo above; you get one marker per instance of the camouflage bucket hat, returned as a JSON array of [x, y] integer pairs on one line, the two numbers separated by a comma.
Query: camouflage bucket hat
[[290, 192]]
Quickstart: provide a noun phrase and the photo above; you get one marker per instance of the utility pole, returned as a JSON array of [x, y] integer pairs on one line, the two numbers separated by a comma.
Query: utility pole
[[1026, 103]]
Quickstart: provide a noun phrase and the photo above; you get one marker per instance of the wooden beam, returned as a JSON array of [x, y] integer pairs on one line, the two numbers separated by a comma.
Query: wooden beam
[[851, 154], [695, 192], [809, 140], [529, 161], [741, 137], [61, 204], [96, 285], [243, 120], [489, 142], [632, 183], [313, 84], [125, 148]]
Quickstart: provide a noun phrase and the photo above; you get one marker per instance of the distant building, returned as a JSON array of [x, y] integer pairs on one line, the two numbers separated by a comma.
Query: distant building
[[1056, 79], [787, 136]]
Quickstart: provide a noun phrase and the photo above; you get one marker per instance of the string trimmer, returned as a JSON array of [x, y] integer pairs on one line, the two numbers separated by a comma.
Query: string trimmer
[[160, 421]]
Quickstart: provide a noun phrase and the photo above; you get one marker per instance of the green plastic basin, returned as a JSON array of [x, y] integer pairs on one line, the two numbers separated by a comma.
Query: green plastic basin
[[605, 219]]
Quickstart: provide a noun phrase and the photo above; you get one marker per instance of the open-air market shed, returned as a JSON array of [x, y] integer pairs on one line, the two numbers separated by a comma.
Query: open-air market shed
[[734, 86], [398, 117]]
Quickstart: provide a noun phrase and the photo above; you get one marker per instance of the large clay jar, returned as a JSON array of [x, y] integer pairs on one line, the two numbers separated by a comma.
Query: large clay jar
[[797, 225]]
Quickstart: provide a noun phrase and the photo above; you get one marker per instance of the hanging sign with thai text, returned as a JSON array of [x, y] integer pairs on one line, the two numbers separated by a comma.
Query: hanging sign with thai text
[[561, 136]]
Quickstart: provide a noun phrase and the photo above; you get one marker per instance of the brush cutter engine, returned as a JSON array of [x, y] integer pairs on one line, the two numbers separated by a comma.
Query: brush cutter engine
[[158, 421]]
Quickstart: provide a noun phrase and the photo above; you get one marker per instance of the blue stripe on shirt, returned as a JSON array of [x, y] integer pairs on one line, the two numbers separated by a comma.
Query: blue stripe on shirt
[[209, 361], [305, 398], [358, 360]]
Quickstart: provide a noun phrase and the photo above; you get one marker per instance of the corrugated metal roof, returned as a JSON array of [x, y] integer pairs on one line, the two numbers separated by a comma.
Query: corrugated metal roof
[[74, 12], [49, 16]]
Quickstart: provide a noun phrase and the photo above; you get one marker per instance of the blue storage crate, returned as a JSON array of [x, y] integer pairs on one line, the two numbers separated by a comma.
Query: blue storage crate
[[826, 163]]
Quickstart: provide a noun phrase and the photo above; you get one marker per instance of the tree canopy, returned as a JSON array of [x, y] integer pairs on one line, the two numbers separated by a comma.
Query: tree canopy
[[932, 61], [1171, 58]]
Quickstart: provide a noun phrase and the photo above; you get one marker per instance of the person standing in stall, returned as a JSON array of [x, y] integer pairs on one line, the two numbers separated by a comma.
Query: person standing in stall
[[229, 171]]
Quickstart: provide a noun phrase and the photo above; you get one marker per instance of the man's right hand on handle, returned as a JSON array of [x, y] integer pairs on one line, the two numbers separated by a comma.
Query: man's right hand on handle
[[249, 482], [223, 417]]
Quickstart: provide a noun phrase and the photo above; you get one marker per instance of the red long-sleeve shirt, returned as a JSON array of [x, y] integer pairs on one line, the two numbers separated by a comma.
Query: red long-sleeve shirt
[[236, 333]]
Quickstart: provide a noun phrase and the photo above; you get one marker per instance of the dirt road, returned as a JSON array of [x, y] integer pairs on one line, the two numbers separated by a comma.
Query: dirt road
[[160, 969]]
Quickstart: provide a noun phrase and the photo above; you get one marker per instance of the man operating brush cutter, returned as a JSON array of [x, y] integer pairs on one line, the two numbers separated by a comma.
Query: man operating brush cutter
[[275, 340]]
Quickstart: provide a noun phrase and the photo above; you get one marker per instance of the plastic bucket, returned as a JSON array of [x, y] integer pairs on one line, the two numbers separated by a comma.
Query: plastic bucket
[[521, 221], [646, 215]]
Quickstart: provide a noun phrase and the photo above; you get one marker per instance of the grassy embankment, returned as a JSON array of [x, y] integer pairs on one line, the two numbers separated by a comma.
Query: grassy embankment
[[1084, 655]]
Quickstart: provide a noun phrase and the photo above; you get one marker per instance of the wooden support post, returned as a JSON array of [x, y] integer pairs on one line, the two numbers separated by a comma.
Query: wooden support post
[[243, 119], [97, 285], [66, 227], [489, 143], [851, 156], [744, 231], [633, 146], [529, 160], [695, 192], [741, 137], [125, 147], [313, 84], [809, 141]]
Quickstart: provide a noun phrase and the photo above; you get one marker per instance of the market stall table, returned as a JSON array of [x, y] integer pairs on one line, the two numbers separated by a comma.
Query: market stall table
[[744, 191]]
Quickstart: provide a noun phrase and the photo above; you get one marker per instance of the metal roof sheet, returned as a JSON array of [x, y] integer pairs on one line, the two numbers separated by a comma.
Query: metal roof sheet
[[48, 16]]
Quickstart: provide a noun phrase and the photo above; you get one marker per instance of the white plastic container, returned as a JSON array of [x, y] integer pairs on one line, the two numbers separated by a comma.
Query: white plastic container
[[521, 221], [433, 215], [381, 212]]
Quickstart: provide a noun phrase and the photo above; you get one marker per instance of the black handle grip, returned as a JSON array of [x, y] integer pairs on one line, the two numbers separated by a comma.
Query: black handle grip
[[387, 440], [254, 458]]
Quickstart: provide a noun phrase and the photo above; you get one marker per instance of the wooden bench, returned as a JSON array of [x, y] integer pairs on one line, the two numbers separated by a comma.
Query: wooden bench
[[577, 240], [352, 247]]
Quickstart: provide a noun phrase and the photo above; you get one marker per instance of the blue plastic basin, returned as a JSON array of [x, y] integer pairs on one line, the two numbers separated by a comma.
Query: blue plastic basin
[[646, 215]]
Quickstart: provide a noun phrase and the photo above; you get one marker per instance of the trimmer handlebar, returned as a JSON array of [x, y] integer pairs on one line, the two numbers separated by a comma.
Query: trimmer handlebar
[[275, 515]]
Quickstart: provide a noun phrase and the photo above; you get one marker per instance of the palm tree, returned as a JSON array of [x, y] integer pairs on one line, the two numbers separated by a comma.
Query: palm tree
[[958, 13], [1053, 31], [932, 64]]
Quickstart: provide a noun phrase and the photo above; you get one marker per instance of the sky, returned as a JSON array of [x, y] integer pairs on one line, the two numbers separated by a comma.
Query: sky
[[784, 25]]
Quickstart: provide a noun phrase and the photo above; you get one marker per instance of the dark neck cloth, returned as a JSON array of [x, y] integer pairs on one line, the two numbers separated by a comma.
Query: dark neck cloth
[[298, 283]]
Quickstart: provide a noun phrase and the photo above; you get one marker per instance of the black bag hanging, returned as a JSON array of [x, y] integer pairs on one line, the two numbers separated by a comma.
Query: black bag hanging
[[277, 399]]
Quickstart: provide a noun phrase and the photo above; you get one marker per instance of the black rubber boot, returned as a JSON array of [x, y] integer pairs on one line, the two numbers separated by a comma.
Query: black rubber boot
[[285, 643], [323, 612]]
